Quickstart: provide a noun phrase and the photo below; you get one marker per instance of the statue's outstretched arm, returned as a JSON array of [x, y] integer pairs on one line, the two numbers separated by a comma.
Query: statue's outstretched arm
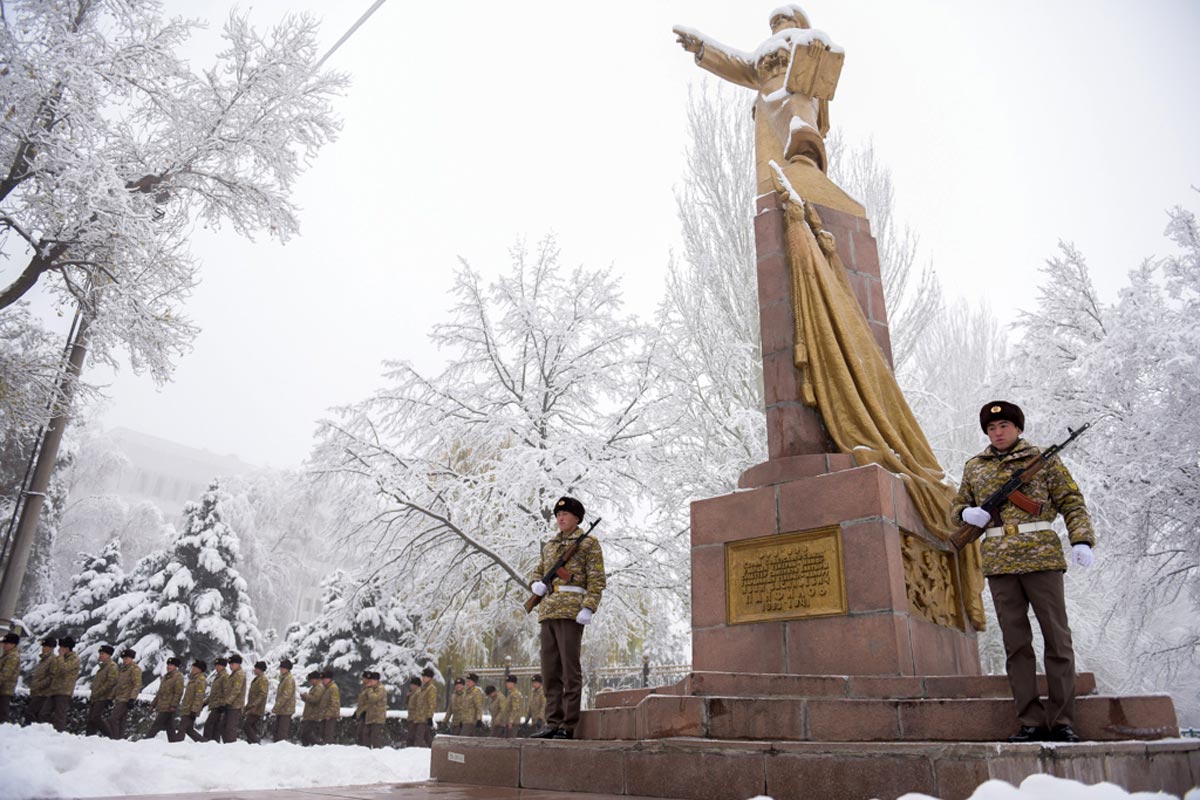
[[722, 61]]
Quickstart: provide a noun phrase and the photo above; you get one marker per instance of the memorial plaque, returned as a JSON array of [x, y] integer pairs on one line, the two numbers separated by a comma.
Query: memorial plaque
[[788, 576]]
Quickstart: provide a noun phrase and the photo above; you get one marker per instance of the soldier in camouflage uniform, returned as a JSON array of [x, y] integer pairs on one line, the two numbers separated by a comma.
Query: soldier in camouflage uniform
[[256, 704], [166, 701], [422, 704], [285, 702], [64, 673], [567, 606], [494, 702], [104, 686], [39, 682], [371, 711], [310, 720], [192, 703], [129, 685], [537, 705], [331, 707], [511, 706], [473, 710], [10, 672], [458, 709], [1024, 563], [235, 696], [217, 701]]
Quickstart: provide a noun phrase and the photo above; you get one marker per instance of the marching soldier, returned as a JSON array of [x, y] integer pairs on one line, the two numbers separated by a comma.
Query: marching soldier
[[39, 682], [311, 728], [192, 703], [1024, 563], [473, 717], [458, 709], [537, 704], [64, 672], [10, 671], [285, 702], [217, 701], [494, 705], [235, 698], [567, 606], [104, 686], [129, 685], [421, 707], [166, 701], [510, 708], [331, 705], [256, 705], [371, 711]]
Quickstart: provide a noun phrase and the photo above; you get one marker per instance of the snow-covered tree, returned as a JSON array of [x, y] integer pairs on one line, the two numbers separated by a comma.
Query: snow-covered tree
[[114, 147], [363, 625], [448, 481]]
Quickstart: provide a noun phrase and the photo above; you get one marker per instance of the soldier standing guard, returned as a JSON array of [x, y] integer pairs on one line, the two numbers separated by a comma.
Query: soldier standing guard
[[567, 607], [310, 720], [235, 697], [39, 682], [537, 704], [192, 704], [256, 705], [64, 672], [10, 671], [285, 702], [331, 705], [166, 701], [371, 711], [104, 686], [216, 701], [421, 707], [129, 685], [458, 709], [1024, 563]]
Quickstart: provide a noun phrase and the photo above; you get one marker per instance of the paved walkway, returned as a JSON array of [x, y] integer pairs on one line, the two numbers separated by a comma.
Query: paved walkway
[[427, 790]]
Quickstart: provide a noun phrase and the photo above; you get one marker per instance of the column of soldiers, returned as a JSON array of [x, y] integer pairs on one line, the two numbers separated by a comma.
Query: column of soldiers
[[467, 703]]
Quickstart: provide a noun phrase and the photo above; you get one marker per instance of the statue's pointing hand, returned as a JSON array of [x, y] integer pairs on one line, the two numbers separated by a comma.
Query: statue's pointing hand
[[690, 41]]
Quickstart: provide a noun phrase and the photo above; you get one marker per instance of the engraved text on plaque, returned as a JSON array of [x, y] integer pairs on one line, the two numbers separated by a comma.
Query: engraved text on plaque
[[788, 576]]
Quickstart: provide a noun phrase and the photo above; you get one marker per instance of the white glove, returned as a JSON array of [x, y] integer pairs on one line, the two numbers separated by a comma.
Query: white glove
[[538, 588], [976, 516], [1082, 555], [584, 616]]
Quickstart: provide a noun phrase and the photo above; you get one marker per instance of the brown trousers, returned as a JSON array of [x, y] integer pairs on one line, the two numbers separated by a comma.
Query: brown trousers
[[231, 725], [562, 674], [33, 711], [252, 727], [187, 727], [95, 717], [115, 724], [420, 734], [1012, 596], [54, 711], [283, 727], [163, 721], [329, 730], [212, 725], [370, 734], [310, 732], [5, 702]]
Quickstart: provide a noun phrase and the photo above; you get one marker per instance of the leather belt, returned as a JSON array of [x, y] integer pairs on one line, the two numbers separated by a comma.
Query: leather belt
[[1012, 528], [571, 589]]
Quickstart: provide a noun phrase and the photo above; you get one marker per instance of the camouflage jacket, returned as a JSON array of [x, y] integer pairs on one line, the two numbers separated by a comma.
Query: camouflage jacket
[[312, 703], [257, 702], [217, 697], [64, 672], [422, 704], [104, 683], [537, 704], [129, 683], [511, 707], [39, 681], [372, 705], [458, 708], [10, 670], [235, 690], [331, 702], [495, 705], [193, 696], [170, 689], [1053, 487], [285, 697], [587, 572]]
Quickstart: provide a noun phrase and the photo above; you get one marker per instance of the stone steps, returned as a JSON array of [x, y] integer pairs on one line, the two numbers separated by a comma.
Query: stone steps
[[732, 684], [706, 769], [839, 719]]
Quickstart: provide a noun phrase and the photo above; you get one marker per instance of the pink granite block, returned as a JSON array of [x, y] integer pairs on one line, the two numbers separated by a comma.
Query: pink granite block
[[716, 774], [852, 494], [875, 644], [874, 567], [853, 721], [739, 648], [778, 325], [780, 378], [847, 777], [730, 517], [458, 759], [768, 719], [708, 586], [565, 766], [663, 716]]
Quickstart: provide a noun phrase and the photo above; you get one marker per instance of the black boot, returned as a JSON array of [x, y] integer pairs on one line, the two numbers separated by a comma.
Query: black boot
[[545, 733], [1063, 733], [563, 733], [1028, 733]]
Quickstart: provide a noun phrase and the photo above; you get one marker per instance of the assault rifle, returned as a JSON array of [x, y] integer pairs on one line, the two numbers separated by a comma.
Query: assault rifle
[[559, 569], [1011, 491]]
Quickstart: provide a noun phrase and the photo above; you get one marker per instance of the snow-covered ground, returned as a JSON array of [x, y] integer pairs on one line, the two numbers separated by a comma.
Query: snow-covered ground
[[40, 762]]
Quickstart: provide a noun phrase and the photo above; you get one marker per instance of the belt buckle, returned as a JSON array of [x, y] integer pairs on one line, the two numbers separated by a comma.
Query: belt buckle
[[1011, 529]]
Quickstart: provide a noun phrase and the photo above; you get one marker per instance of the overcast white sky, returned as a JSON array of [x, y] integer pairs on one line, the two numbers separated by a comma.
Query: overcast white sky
[[1007, 126]]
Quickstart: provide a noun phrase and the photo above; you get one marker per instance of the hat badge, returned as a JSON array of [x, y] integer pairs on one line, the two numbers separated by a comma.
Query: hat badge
[[996, 409]]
